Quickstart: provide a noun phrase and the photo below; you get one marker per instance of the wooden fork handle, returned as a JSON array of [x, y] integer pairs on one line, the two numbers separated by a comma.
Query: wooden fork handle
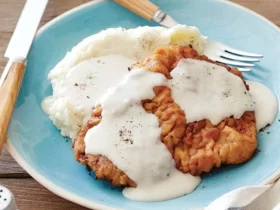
[[144, 8], [8, 95]]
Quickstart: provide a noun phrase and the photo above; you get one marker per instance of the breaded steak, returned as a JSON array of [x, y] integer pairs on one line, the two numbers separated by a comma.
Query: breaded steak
[[196, 147]]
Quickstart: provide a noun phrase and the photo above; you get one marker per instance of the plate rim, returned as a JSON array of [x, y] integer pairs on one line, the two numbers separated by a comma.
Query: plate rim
[[59, 191]]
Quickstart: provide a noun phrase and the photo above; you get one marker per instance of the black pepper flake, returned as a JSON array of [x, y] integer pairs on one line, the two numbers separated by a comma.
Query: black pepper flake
[[279, 120], [76, 84], [128, 68], [226, 94], [268, 132], [99, 61], [125, 136], [88, 97]]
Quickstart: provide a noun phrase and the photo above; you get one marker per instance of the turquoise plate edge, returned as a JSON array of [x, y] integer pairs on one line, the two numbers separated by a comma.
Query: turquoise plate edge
[[33, 140]]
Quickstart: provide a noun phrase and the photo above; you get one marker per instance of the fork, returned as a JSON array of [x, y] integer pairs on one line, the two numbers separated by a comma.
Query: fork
[[216, 51]]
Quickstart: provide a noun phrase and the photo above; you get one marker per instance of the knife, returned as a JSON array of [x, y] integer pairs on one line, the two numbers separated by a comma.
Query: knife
[[16, 52], [149, 11]]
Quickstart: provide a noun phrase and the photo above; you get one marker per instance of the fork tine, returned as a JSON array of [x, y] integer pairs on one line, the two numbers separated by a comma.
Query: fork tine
[[239, 52], [239, 58], [235, 63]]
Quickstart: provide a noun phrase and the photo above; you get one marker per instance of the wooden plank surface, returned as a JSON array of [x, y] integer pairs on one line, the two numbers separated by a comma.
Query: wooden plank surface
[[29, 194], [9, 167]]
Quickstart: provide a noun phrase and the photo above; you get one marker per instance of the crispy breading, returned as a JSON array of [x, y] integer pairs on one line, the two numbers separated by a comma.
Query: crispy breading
[[196, 147]]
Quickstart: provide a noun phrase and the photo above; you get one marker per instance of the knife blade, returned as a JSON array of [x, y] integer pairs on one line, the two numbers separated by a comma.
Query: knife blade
[[24, 33], [163, 19], [17, 52]]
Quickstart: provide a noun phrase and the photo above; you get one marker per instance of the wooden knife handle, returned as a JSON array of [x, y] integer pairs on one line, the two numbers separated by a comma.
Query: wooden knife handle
[[8, 95], [144, 8]]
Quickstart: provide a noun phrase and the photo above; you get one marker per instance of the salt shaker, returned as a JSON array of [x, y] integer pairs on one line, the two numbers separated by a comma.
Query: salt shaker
[[7, 199]]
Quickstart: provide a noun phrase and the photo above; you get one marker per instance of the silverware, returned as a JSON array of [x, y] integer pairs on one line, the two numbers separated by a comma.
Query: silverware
[[216, 51], [17, 51]]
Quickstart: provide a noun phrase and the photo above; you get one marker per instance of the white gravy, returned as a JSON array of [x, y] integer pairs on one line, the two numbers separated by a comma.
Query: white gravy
[[266, 104], [207, 91], [176, 185], [130, 137], [86, 82]]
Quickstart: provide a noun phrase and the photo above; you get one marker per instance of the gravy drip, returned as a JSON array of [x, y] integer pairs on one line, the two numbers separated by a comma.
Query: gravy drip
[[266, 104]]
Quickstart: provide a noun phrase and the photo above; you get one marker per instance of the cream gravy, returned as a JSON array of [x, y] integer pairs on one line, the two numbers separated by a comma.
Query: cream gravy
[[207, 91], [86, 82], [176, 185], [130, 137], [266, 104]]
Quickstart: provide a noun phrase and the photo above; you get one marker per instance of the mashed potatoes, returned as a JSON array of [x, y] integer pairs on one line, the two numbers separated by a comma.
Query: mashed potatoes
[[98, 62]]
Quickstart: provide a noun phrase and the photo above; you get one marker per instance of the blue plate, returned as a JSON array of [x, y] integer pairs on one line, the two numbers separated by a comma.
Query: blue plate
[[39, 148]]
